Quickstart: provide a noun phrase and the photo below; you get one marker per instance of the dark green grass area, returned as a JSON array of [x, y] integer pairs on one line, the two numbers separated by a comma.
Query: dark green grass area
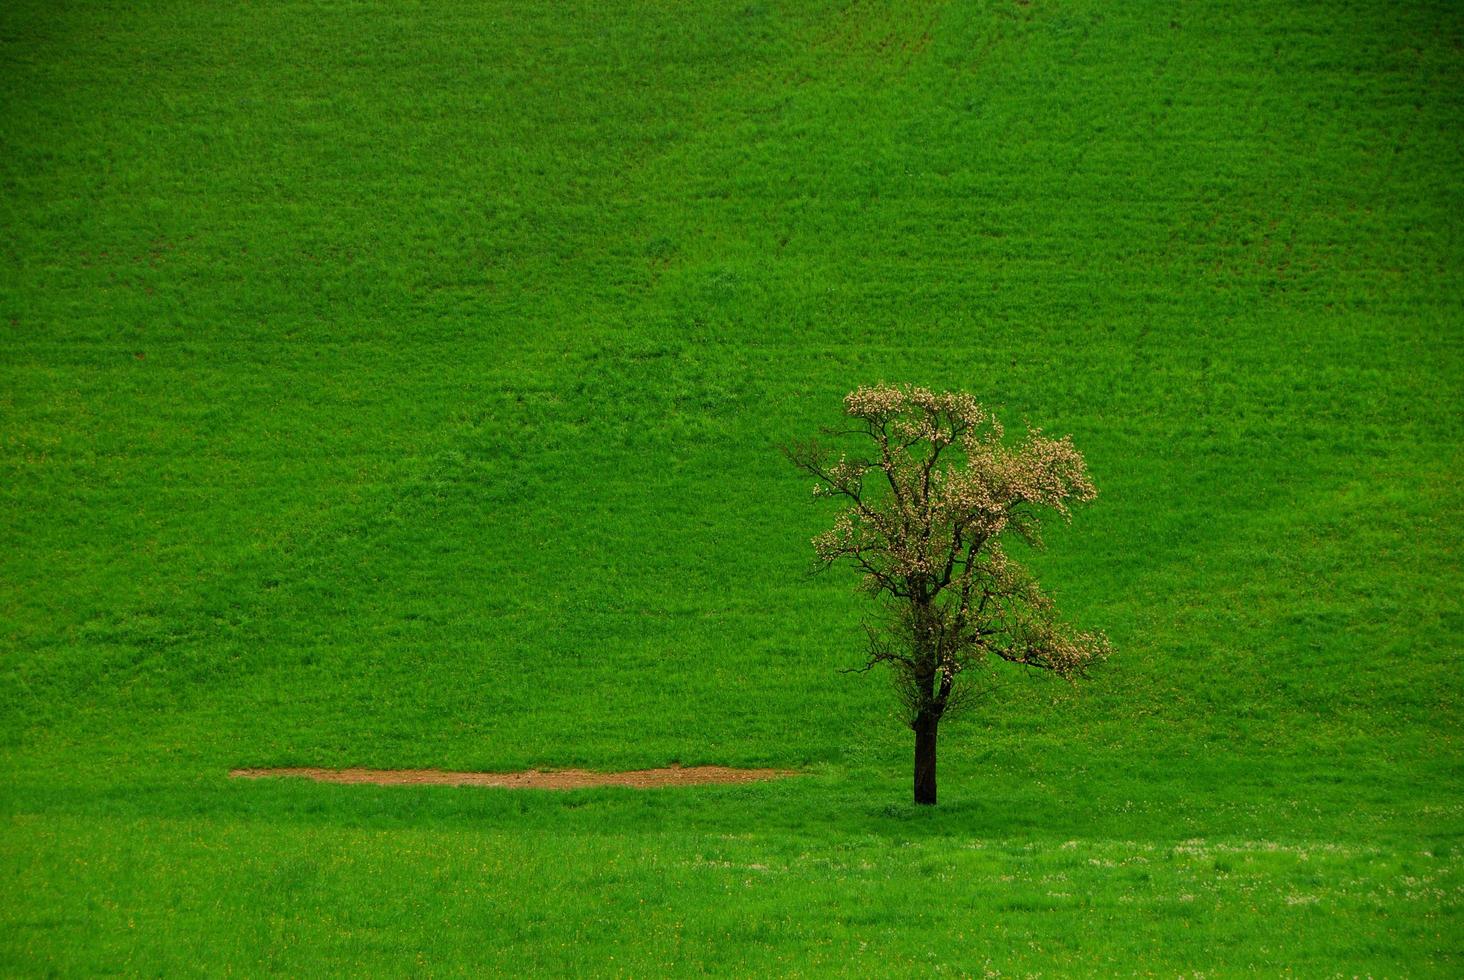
[[401, 385]]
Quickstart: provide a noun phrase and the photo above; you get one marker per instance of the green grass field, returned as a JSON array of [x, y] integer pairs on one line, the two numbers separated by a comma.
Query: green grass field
[[400, 385]]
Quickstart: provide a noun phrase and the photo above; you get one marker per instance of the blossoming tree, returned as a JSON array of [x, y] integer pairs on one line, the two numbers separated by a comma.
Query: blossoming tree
[[925, 508]]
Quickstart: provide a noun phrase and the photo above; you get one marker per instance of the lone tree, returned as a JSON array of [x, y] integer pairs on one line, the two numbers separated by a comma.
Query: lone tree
[[925, 509]]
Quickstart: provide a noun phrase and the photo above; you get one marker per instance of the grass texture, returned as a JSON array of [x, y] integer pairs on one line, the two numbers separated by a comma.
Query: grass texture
[[399, 385]]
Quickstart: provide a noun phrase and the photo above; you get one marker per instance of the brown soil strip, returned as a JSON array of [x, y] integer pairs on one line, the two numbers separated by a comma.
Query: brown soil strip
[[529, 779]]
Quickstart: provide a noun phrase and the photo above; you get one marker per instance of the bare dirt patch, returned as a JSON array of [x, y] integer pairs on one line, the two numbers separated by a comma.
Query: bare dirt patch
[[529, 779]]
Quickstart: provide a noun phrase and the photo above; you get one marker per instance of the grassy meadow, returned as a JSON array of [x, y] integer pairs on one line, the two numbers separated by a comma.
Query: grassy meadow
[[400, 385]]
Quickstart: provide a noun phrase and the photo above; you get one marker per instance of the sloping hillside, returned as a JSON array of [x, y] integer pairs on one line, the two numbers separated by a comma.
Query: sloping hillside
[[401, 386]]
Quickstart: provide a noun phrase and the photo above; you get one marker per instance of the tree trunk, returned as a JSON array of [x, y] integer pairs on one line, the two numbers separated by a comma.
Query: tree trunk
[[925, 760]]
